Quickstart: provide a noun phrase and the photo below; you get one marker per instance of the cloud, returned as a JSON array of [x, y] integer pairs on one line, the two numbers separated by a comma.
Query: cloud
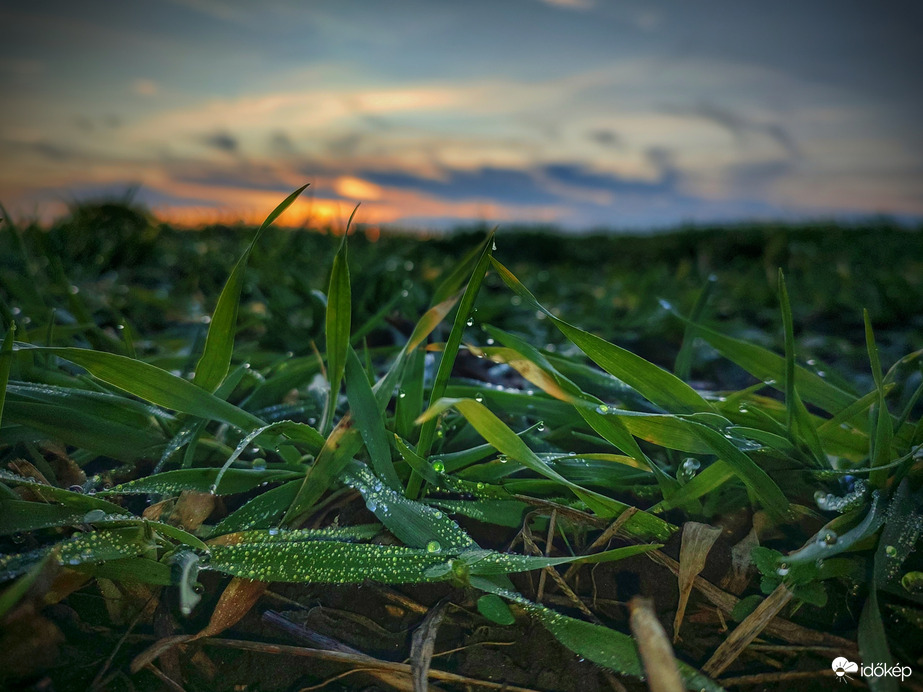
[[281, 143], [571, 4], [222, 141], [489, 183], [145, 87], [604, 137], [742, 127], [578, 178]]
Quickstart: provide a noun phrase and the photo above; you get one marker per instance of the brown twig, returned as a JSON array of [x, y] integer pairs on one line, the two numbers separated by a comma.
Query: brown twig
[[747, 631], [778, 627], [654, 646], [367, 662], [604, 538]]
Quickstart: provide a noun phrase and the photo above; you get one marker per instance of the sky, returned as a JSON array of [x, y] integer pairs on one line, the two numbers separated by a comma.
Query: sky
[[433, 114]]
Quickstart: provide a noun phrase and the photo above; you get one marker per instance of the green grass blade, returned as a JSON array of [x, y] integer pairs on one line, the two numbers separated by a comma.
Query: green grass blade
[[710, 479], [758, 482], [231, 482], [262, 511], [409, 402], [80, 502], [325, 562], [338, 325], [789, 356], [219, 343], [770, 368], [683, 366], [884, 431], [605, 647], [6, 361], [428, 430], [508, 442], [17, 516], [873, 644], [99, 422], [342, 443], [152, 384], [15, 592], [654, 383], [414, 523], [369, 419]]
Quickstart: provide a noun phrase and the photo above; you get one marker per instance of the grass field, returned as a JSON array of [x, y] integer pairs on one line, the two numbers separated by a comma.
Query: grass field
[[509, 458]]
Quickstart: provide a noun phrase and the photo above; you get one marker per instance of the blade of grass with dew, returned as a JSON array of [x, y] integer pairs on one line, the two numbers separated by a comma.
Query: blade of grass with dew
[[881, 451], [672, 432], [428, 430], [758, 482], [262, 511], [615, 432], [139, 570], [656, 384], [708, 480], [507, 442], [231, 482], [48, 493], [369, 419], [769, 367], [416, 524], [300, 432], [324, 561], [338, 324], [75, 418], [16, 591], [215, 361], [17, 516], [384, 388], [601, 645], [151, 384], [81, 548], [342, 443]]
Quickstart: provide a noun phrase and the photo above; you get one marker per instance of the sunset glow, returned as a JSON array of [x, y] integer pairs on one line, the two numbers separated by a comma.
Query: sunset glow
[[578, 113]]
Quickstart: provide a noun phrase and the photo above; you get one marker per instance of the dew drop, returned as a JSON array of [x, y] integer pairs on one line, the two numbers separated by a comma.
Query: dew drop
[[602, 408], [94, 515], [541, 426], [273, 531], [783, 569], [433, 547], [890, 551], [259, 465], [371, 504], [470, 321], [827, 538], [479, 397], [401, 394], [438, 466]]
